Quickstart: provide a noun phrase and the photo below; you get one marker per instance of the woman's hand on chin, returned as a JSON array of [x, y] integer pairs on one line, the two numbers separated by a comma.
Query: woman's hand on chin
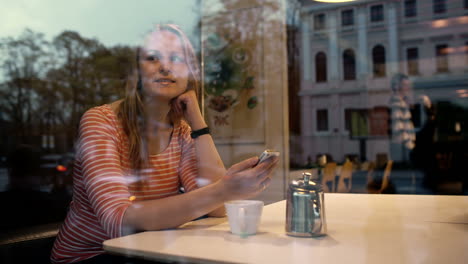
[[187, 106]]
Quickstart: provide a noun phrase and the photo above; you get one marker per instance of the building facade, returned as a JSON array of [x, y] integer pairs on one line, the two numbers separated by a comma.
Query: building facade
[[351, 51]]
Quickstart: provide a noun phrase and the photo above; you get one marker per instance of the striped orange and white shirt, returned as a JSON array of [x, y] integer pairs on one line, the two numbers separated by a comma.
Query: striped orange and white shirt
[[104, 187]]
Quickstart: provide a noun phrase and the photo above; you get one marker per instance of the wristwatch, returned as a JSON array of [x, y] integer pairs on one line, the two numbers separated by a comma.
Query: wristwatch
[[199, 132]]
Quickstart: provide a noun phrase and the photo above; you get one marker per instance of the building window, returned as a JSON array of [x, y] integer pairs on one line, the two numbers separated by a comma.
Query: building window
[[321, 67], [378, 61], [410, 8], [378, 121], [442, 58], [412, 60], [377, 13], [439, 6], [348, 113], [349, 65], [347, 17], [466, 51], [319, 22], [322, 120], [356, 122]]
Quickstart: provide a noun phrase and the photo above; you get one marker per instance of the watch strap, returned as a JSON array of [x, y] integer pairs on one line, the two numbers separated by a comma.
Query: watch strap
[[199, 132]]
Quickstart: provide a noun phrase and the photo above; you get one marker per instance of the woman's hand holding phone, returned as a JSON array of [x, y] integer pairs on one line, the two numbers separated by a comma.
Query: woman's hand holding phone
[[267, 154], [248, 178]]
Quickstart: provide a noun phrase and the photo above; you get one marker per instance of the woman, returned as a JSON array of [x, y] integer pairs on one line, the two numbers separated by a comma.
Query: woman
[[402, 127], [134, 154]]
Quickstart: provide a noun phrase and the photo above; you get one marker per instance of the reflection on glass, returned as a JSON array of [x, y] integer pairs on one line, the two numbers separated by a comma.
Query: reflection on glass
[[407, 104]]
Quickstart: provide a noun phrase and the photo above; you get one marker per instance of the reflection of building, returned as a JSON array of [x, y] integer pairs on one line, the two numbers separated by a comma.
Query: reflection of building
[[349, 52]]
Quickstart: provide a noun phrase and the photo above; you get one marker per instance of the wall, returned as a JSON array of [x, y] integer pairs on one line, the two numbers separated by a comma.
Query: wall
[[241, 132]]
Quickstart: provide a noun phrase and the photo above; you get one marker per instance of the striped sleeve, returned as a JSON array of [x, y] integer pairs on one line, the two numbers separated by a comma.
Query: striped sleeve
[[103, 176], [188, 170]]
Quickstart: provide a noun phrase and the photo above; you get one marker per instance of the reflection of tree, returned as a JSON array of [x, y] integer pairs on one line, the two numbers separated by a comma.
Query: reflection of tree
[[24, 61], [47, 86]]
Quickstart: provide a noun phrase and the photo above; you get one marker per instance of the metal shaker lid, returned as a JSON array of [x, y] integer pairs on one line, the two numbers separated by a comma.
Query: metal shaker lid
[[306, 184]]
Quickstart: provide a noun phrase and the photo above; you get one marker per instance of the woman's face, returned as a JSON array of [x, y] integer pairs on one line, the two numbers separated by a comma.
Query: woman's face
[[164, 69], [406, 90]]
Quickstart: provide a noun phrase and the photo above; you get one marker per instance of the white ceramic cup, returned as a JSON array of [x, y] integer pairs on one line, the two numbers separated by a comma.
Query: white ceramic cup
[[244, 216]]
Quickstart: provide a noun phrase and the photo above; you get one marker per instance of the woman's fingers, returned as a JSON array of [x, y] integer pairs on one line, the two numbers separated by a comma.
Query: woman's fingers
[[264, 184], [246, 178], [267, 164], [243, 165]]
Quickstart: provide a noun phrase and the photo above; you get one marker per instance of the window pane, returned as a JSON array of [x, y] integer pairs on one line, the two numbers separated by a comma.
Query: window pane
[[439, 6], [319, 22], [322, 120], [412, 59], [442, 58], [349, 65], [378, 58], [466, 53], [347, 17], [377, 13], [321, 67], [410, 8]]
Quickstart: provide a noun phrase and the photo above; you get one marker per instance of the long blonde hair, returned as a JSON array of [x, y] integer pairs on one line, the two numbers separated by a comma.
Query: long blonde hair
[[131, 111]]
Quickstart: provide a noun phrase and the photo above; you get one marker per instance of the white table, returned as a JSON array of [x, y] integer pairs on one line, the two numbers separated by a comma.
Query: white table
[[362, 228]]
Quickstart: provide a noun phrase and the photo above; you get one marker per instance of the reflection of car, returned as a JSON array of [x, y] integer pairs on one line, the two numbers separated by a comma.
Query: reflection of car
[[55, 169]]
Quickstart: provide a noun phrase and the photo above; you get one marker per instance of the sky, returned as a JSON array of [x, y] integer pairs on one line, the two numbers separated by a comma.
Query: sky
[[112, 22]]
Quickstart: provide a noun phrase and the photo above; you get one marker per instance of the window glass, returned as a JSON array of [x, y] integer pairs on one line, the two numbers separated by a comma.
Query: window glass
[[321, 67], [360, 81], [377, 13], [50, 74], [319, 22], [349, 65], [347, 17], [439, 6], [409, 81], [322, 120], [410, 8], [412, 59], [379, 62], [442, 51]]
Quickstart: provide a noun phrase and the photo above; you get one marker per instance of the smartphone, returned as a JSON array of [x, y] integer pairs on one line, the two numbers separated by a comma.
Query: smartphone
[[268, 153]]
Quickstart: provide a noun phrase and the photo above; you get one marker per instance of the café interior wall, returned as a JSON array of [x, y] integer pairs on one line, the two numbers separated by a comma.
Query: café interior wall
[[274, 82]]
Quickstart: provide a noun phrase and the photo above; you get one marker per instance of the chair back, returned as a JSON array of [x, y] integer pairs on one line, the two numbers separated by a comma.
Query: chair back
[[386, 176], [329, 174], [346, 177]]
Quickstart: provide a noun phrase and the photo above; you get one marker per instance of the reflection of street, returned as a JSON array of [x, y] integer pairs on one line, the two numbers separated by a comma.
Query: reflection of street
[[3, 179], [405, 181]]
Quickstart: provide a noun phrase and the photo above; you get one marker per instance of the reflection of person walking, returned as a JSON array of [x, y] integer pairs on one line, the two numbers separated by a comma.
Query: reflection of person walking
[[402, 128]]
